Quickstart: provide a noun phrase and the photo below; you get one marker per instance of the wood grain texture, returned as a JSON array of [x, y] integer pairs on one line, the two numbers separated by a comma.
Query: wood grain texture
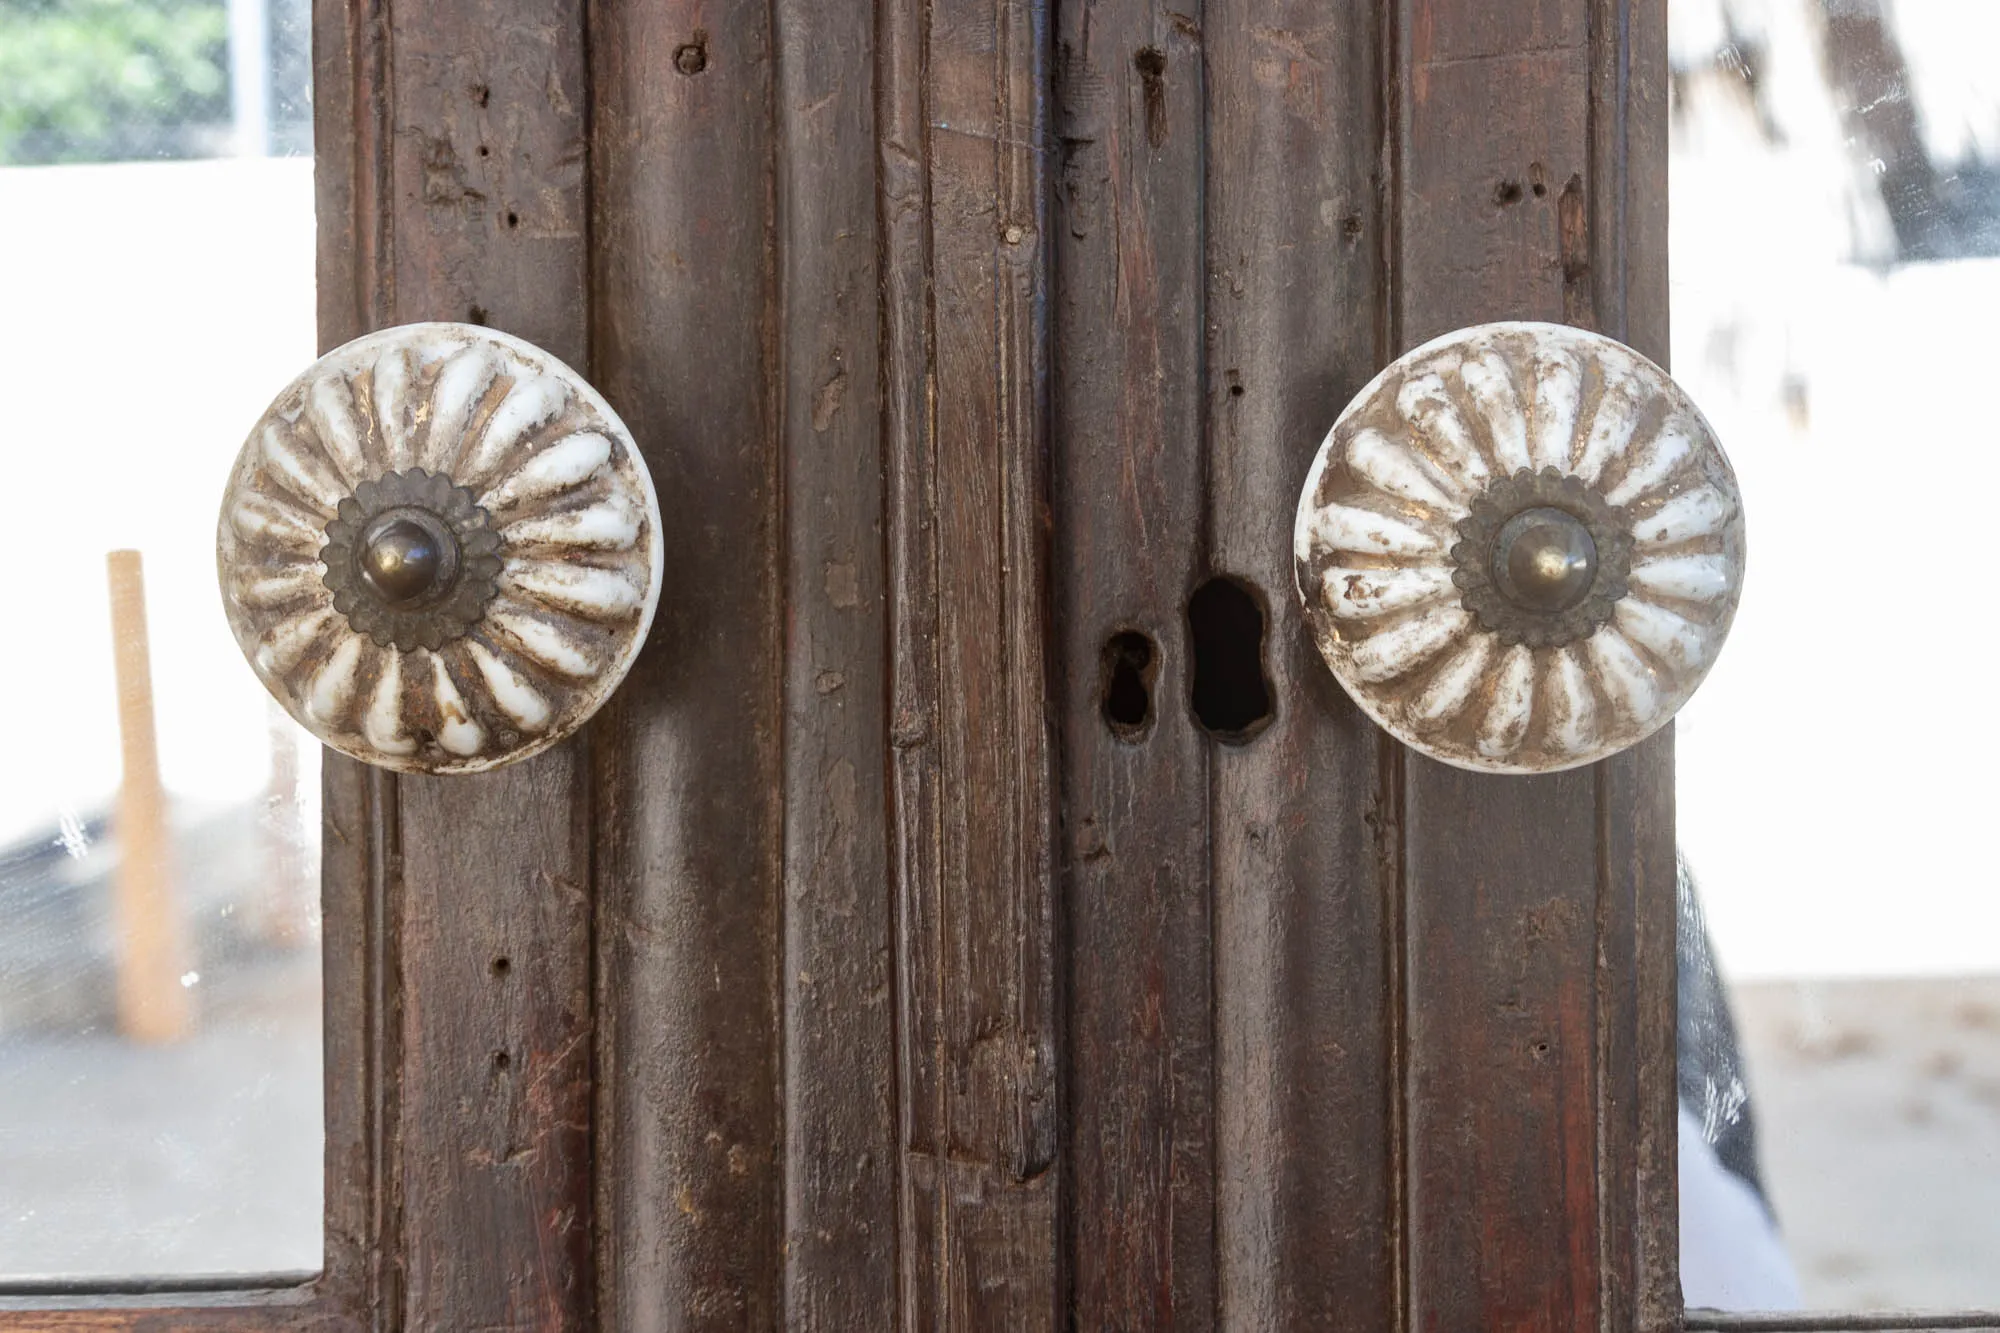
[[690, 830], [960, 334], [963, 98], [1127, 499], [1303, 837], [1538, 910], [484, 208], [841, 1143], [302, 1310]]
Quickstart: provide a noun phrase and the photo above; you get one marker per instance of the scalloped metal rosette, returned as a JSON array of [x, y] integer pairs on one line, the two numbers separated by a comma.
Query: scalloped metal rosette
[[530, 505], [1399, 543]]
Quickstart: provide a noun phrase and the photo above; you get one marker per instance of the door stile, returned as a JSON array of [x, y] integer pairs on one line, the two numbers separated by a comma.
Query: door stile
[[1539, 944]]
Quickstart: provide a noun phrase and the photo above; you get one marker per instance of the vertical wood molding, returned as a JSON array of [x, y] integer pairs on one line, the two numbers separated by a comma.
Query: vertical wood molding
[[362, 1017], [1305, 1083], [484, 203], [841, 1142], [1539, 931], [1127, 497], [691, 834], [962, 98]]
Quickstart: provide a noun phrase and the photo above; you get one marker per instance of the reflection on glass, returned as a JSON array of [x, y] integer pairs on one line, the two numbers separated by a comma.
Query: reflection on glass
[[1836, 256], [160, 1103]]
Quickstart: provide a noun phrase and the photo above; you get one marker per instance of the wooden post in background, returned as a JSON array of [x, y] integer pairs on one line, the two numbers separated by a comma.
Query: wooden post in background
[[152, 1003]]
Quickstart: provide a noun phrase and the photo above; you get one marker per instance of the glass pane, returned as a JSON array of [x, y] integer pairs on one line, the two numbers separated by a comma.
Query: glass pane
[[160, 1083], [1836, 256]]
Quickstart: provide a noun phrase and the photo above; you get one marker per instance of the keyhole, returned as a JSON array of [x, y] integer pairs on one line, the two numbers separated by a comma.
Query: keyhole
[[1129, 666], [1232, 693]]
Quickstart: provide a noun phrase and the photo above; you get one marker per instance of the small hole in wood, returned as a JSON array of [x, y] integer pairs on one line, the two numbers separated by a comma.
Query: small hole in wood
[[501, 1060], [476, 315], [484, 151], [502, 966], [1507, 193], [513, 219], [1130, 664], [692, 57], [1151, 62], [1232, 693], [1538, 189]]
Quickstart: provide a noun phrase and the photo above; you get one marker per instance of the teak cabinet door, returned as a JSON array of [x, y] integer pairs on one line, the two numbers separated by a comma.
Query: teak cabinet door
[[853, 970]]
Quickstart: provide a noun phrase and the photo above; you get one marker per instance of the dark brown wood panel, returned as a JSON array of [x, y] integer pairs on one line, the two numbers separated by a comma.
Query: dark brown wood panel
[[840, 1122], [485, 218], [1305, 1084], [944, 384], [689, 774], [1538, 911], [963, 97], [1126, 494]]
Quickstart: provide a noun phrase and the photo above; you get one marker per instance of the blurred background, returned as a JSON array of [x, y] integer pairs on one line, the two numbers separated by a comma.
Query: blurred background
[[160, 1107], [1835, 236], [1836, 248]]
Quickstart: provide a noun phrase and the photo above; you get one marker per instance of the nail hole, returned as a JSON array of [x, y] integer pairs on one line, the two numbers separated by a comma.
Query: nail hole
[[1538, 189], [1130, 665], [501, 1060], [1232, 694], [513, 219], [1507, 192], [476, 315], [1235, 391], [484, 151], [692, 57], [502, 966], [1151, 62]]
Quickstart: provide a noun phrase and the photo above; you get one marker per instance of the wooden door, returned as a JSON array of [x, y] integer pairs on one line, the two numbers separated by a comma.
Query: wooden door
[[864, 965]]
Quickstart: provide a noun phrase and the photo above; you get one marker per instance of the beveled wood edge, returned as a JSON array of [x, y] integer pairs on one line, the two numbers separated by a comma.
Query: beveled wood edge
[[1723, 1321], [348, 62]]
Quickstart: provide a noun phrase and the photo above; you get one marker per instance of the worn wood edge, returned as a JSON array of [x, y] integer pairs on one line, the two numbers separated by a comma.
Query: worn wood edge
[[962, 123], [910, 496], [1137, 1218], [1629, 1068], [357, 847], [841, 1171], [241, 1310], [484, 1194], [1723, 1321], [688, 862], [1629, 299], [1304, 846]]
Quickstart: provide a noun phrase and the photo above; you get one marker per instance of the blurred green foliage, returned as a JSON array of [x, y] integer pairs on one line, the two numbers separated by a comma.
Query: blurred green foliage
[[106, 80]]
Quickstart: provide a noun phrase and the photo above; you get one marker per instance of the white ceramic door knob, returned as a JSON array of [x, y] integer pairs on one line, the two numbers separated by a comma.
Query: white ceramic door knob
[[439, 549], [1520, 548]]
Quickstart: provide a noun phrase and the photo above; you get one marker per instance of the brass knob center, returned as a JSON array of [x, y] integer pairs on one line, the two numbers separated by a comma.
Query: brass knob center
[[404, 560], [1544, 560]]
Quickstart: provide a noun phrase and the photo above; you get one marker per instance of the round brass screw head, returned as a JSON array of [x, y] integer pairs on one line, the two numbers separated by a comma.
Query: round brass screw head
[[1544, 560], [403, 560]]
